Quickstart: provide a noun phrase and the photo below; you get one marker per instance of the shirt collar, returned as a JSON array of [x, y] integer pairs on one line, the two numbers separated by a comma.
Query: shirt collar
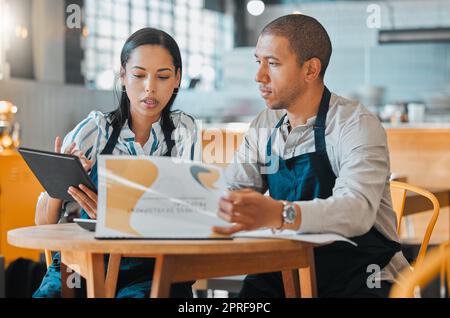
[[312, 120], [309, 122], [127, 133]]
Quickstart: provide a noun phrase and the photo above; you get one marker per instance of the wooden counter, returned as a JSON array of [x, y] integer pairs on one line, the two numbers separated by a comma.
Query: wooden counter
[[423, 155]]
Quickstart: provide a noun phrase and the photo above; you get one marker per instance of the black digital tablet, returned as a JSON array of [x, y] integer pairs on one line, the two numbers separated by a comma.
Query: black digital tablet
[[57, 172]]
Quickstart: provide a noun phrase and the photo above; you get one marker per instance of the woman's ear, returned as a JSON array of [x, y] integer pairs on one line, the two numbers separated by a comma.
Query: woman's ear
[[122, 76], [178, 76]]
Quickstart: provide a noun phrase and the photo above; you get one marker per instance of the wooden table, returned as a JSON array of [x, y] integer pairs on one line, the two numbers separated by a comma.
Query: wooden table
[[176, 260]]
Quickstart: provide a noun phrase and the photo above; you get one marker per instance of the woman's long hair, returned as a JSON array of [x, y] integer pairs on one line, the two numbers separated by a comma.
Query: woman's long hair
[[149, 36]]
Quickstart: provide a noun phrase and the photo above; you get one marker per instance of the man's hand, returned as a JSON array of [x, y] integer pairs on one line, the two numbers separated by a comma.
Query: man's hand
[[248, 210], [86, 198]]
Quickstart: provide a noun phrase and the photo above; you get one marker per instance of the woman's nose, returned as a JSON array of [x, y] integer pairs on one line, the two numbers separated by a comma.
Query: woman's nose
[[150, 85]]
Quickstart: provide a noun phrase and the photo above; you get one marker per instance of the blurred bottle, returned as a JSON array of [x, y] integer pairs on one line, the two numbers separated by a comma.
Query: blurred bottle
[[416, 112], [394, 113], [9, 132], [15, 135]]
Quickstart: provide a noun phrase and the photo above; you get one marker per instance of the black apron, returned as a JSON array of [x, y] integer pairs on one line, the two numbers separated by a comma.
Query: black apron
[[341, 268]]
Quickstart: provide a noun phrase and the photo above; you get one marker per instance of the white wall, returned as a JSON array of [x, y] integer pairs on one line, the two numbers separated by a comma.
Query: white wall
[[48, 40], [47, 110], [406, 71]]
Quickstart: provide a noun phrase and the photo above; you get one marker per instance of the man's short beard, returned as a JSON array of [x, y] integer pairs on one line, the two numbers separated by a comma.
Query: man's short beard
[[277, 106], [287, 101]]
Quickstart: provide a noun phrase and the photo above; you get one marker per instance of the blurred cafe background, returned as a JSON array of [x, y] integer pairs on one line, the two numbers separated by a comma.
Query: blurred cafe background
[[392, 55]]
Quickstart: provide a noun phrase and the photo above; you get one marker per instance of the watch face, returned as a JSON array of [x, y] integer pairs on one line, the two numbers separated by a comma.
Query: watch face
[[290, 214]]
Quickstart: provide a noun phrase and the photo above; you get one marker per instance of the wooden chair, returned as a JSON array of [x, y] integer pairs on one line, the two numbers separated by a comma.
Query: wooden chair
[[48, 257], [437, 261], [398, 194]]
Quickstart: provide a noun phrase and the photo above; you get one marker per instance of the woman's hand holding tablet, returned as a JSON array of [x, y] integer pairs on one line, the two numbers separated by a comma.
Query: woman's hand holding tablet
[[72, 150], [57, 172], [85, 197]]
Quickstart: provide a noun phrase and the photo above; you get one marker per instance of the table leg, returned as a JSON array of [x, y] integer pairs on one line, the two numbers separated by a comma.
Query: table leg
[[112, 275], [90, 266], [66, 291], [447, 204], [95, 275], [291, 283], [308, 288], [162, 275]]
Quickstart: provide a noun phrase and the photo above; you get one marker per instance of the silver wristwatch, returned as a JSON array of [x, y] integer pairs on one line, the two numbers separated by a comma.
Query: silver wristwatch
[[289, 213]]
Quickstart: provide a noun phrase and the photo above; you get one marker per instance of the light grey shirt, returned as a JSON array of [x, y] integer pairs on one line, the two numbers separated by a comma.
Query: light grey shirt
[[358, 153]]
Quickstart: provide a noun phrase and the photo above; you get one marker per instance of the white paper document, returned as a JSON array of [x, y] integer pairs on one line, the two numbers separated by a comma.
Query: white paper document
[[168, 198], [292, 235], [157, 198]]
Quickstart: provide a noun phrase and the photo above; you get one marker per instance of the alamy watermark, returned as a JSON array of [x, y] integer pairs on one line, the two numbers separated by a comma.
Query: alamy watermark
[[373, 20], [73, 20], [73, 278], [374, 279]]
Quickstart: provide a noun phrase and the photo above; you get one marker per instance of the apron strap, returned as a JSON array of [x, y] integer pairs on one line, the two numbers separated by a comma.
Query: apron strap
[[112, 141], [170, 143], [319, 126], [272, 135]]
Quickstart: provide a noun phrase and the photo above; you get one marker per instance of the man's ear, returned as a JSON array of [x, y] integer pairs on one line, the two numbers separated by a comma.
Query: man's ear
[[313, 68]]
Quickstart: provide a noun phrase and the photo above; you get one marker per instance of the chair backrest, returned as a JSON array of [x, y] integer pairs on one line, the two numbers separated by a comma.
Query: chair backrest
[[398, 195], [48, 257], [436, 262]]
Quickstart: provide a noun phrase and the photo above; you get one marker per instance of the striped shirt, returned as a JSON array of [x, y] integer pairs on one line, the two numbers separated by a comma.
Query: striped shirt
[[92, 134]]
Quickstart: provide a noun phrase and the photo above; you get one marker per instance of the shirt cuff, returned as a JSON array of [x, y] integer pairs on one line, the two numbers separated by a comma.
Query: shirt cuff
[[310, 219]]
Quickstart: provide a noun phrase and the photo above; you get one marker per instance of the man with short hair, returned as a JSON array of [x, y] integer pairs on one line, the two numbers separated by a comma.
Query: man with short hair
[[325, 163]]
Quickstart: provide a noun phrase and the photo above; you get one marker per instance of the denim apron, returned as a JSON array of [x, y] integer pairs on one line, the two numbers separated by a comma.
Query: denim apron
[[135, 274], [341, 268]]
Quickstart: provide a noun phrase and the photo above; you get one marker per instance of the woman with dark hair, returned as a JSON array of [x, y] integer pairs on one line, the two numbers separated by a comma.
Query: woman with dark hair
[[143, 124]]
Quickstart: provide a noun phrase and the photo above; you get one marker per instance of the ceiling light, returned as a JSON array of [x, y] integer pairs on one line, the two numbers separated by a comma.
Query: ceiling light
[[255, 7]]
